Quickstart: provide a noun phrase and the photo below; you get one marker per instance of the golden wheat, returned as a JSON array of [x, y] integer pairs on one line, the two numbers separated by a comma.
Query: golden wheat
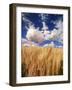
[[41, 61]]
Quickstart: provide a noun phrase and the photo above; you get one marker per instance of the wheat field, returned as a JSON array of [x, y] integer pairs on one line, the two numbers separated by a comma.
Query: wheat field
[[41, 61]]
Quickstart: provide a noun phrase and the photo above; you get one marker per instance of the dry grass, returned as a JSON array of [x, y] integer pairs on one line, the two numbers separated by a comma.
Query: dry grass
[[42, 61]]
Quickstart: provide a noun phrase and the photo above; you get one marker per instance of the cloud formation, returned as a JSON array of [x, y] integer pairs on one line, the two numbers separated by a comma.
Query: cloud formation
[[56, 33], [34, 34]]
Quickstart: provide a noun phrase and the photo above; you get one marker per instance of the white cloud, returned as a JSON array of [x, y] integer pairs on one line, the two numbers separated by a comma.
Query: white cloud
[[49, 45], [52, 44], [59, 25], [26, 42], [55, 34], [46, 45], [34, 34], [51, 35], [27, 21]]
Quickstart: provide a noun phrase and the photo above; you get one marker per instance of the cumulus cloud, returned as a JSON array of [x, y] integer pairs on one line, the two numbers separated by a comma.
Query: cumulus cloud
[[50, 35], [59, 26], [34, 34], [56, 33]]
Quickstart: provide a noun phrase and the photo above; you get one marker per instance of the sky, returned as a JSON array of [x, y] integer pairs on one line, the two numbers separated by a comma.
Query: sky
[[42, 29]]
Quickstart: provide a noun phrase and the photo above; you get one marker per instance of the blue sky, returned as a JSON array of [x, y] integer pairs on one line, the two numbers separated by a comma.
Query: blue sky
[[36, 20]]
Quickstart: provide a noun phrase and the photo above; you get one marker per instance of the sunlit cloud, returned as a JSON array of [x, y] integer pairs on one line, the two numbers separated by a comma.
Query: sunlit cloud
[[34, 34], [56, 33]]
